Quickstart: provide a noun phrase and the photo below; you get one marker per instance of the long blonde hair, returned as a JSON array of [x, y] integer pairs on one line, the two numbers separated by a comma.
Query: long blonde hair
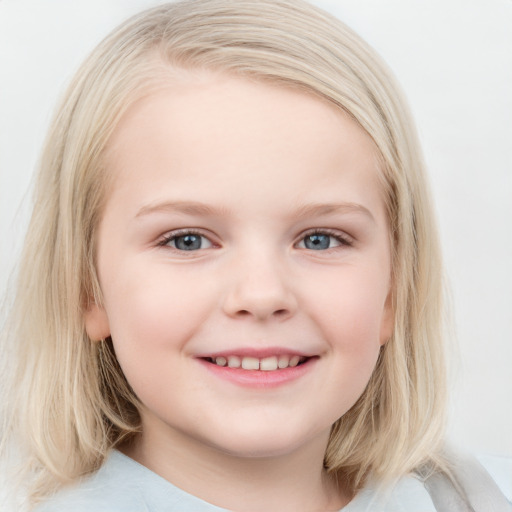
[[72, 402]]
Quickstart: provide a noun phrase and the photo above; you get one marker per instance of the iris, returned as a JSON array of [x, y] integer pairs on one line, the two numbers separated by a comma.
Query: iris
[[188, 242], [317, 241]]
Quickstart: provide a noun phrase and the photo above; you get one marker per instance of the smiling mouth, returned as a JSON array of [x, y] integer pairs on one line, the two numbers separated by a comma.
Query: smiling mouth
[[266, 364]]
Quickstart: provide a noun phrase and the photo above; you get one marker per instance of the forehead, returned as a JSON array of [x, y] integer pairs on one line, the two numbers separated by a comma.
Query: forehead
[[207, 130]]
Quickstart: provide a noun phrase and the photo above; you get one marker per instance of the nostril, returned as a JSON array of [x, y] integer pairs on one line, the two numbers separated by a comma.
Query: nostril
[[278, 313]]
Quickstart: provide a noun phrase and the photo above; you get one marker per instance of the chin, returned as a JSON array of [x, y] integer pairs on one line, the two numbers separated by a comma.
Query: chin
[[266, 444]]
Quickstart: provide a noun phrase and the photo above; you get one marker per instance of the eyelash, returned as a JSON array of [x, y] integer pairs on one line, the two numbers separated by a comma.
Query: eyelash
[[343, 239], [181, 232]]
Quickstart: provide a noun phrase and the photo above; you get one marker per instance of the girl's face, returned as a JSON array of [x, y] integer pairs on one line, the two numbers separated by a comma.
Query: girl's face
[[245, 229]]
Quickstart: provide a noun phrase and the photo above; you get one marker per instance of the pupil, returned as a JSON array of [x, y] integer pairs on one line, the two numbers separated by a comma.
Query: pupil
[[317, 242], [188, 242]]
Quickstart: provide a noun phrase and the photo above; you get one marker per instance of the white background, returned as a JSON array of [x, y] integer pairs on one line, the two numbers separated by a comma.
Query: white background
[[454, 60]]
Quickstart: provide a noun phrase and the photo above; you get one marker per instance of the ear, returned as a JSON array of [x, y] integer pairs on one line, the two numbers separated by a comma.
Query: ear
[[96, 322], [388, 320]]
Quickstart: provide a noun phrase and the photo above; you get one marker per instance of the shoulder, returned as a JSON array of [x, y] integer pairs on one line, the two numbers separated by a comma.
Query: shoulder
[[123, 485], [407, 495], [112, 488], [469, 486], [484, 485], [500, 469]]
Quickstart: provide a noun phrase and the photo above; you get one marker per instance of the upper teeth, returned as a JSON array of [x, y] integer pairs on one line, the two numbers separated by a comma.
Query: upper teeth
[[255, 363]]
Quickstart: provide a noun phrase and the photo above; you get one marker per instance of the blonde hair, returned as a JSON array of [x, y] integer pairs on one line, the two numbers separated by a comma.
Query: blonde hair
[[73, 403]]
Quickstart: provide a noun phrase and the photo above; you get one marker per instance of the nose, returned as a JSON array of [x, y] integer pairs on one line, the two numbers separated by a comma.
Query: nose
[[259, 289]]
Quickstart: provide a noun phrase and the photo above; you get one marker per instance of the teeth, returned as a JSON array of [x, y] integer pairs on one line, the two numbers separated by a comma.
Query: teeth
[[234, 362], [267, 364], [294, 361], [250, 363], [283, 361]]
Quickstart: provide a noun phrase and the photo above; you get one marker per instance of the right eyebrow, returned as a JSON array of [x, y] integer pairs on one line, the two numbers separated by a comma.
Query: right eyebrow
[[186, 207]]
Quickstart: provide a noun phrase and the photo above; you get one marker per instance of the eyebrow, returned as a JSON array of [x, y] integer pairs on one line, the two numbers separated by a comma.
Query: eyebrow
[[186, 207], [201, 209], [317, 210]]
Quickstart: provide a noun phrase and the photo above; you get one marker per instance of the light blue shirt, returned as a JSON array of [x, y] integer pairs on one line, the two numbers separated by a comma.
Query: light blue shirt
[[124, 485]]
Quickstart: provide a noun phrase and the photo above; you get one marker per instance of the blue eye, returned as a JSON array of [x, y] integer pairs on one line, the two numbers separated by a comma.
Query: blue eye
[[317, 242], [320, 241], [187, 242]]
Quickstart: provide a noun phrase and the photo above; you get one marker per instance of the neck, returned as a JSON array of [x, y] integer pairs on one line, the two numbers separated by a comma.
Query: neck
[[294, 481]]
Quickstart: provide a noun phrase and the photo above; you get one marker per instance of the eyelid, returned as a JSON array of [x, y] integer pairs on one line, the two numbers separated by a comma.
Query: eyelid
[[171, 235], [345, 239]]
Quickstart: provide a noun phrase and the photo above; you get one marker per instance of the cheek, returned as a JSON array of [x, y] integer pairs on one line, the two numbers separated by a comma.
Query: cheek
[[151, 314], [351, 317], [352, 310]]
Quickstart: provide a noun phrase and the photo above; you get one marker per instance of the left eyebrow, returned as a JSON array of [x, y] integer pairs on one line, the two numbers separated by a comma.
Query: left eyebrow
[[317, 210]]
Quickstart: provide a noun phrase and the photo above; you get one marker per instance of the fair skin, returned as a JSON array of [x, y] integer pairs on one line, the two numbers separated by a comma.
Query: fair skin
[[246, 226]]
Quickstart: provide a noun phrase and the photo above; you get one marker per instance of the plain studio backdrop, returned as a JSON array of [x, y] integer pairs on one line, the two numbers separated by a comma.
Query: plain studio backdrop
[[454, 61]]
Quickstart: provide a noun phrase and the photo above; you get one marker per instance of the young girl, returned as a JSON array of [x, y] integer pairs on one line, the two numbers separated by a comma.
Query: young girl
[[230, 295]]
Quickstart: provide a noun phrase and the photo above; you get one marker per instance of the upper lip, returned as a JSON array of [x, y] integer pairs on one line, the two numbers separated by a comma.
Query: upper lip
[[257, 352]]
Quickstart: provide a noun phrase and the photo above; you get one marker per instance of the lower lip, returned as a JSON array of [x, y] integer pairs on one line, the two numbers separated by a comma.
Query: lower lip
[[260, 378]]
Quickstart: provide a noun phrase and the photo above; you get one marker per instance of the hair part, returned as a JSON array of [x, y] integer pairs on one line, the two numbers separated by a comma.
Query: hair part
[[73, 402]]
